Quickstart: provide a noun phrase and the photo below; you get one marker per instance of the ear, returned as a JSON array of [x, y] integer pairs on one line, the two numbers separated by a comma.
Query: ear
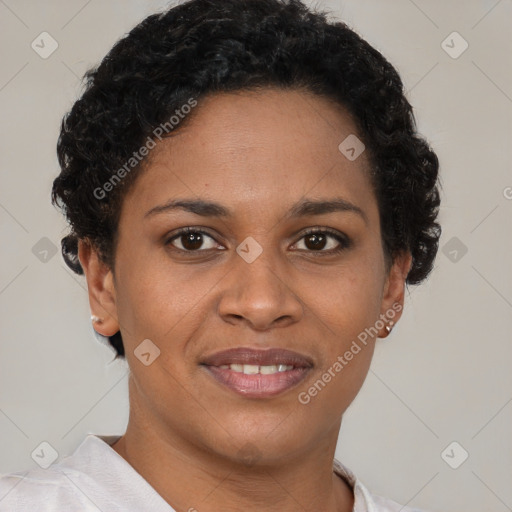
[[392, 303], [100, 284]]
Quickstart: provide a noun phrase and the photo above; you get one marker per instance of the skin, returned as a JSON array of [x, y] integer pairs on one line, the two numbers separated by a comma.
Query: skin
[[257, 153]]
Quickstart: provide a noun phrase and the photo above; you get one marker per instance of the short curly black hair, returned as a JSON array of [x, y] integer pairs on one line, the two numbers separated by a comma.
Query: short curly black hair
[[206, 46]]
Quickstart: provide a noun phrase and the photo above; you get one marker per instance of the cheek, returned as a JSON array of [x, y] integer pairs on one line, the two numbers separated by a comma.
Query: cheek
[[346, 343], [162, 302], [348, 299], [145, 300], [345, 313]]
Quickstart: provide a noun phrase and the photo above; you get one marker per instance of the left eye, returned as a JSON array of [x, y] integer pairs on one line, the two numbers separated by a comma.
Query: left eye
[[318, 241]]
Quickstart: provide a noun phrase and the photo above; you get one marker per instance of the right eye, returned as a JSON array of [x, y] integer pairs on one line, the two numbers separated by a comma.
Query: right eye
[[191, 240]]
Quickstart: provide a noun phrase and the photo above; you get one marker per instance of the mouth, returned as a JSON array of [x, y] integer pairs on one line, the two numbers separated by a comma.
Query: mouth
[[258, 373]]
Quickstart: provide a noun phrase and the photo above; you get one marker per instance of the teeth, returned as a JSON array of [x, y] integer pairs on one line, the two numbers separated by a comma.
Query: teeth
[[253, 369], [268, 370]]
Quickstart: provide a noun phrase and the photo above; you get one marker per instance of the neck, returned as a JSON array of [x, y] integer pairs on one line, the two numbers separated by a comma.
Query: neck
[[194, 478], [203, 484]]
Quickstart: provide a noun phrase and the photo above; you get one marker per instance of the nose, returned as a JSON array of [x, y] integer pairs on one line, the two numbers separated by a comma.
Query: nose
[[259, 295]]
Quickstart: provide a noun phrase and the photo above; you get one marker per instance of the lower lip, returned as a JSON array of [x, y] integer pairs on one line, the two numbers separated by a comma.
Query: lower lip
[[258, 385]]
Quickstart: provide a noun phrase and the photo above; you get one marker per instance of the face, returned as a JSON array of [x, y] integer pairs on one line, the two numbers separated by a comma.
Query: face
[[249, 274]]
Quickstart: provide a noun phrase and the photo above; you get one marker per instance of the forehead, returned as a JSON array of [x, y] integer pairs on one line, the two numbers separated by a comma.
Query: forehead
[[256, 149]]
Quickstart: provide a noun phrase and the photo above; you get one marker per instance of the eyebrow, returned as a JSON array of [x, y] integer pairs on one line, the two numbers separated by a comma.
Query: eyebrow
[[304, 208]]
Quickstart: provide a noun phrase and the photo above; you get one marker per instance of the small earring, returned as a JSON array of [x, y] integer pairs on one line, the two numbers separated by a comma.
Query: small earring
[[96, 319], [389, 327]]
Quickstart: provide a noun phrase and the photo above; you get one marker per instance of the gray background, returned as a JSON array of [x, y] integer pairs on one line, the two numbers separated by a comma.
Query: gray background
[[442, 376]]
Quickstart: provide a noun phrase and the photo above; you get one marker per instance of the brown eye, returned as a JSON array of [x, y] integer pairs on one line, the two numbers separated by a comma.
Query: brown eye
[[324, 241], [315, 241], [189, 240]]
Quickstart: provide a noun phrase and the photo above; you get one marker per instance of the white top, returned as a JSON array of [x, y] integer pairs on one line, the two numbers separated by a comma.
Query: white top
[[96, 478]]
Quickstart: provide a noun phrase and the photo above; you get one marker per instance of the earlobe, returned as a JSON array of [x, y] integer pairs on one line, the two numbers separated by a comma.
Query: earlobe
[[100, 285]]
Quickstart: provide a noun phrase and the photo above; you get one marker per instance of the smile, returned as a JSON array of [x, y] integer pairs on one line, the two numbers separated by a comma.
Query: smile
[[253, 369], [257, 373], [257, 381]]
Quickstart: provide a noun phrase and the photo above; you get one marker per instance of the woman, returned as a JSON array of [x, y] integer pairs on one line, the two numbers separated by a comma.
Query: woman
[[247, 197]]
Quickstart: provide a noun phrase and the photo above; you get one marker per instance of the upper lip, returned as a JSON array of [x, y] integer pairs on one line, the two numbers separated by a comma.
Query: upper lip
[[260, 357]]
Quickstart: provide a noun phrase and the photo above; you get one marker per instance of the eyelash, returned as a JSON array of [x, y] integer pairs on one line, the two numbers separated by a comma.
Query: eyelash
[[343, 240]]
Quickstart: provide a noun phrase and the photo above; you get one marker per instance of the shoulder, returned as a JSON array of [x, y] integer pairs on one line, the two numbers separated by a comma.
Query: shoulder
[[382, 504], [72, 483], [43, 490]]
